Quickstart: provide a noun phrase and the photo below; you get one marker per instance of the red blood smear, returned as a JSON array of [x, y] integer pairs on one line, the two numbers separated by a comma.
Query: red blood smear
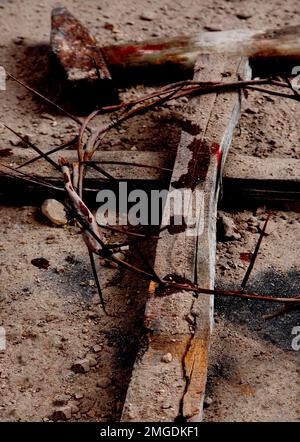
[[123, 53], [216, 150], [66, 178], [246, 256], [83, 208]]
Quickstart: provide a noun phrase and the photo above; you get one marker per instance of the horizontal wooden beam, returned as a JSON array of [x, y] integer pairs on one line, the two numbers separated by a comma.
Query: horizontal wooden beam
[[249, 179], [246, 179]]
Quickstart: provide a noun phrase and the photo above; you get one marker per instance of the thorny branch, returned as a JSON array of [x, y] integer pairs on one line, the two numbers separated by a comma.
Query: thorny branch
[[74, 180]]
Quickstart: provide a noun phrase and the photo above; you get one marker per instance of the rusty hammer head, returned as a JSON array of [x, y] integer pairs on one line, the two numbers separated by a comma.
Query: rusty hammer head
[[76, 48], [81, 59]]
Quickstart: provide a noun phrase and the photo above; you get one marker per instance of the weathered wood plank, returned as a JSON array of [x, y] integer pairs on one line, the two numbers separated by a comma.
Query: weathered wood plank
[[44, 170], [178, 323], [249, 179], [255, 168], [238, 166], [246, 179], [14, 191]]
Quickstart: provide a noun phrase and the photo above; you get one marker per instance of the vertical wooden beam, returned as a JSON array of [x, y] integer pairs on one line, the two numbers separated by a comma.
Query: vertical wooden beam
[[169, 375]]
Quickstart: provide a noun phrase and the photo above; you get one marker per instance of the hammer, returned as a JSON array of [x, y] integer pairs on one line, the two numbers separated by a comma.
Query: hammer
[[86, 63]]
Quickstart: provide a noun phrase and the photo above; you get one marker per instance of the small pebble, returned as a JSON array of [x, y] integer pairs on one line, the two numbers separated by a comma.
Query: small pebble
[[81, 366], [251, 110], [92, 361], [92, 315], [54, 211], [103, 382], [119, 255], [124, 248], [60, 399], [229, 228], [243, 15], [74, 408], [147, 16], [167, 358], [62, 413], [208, 401], [46, 116]]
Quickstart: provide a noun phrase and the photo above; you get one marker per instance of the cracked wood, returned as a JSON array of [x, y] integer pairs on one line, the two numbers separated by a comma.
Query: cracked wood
[[179, 323]]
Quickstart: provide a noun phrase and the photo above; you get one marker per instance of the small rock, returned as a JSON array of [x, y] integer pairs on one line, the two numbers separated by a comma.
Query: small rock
[[91, 413], [208, 401], [232, 265], [243, 15], [19, 40], [54, 211], [252, 229], [81, 366], [167, 358], [109, 26], [62, 413], [60, 399], [69, 376], [93, 315], [251, 110], [119, 255], [252, 221], [59, 270], [224, 267], [147, 16], [21, 97], [78, 395], [213, 28], [46, 116], [125, 248], [74, 408], [97, 348], [44, 128], [229, 228], [41, 263], [103, 382], [15, 141], [190, 319], [284, 216], [92, 361], [261, 210], [51, 239], [269, 229]]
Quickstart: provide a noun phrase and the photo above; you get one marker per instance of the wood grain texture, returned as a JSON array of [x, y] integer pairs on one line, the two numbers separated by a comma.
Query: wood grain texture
[[179, 323], [252, 180], [246, 179]]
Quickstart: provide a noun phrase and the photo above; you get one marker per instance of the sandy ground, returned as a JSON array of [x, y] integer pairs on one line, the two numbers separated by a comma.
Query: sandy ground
[[52, 316]]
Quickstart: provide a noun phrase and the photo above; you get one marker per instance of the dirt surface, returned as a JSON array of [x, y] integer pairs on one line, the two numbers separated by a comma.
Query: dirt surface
[[252, 362], [52, 316]]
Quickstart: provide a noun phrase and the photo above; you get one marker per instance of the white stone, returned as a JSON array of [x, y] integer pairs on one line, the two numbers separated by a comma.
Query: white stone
[[54, 211]]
